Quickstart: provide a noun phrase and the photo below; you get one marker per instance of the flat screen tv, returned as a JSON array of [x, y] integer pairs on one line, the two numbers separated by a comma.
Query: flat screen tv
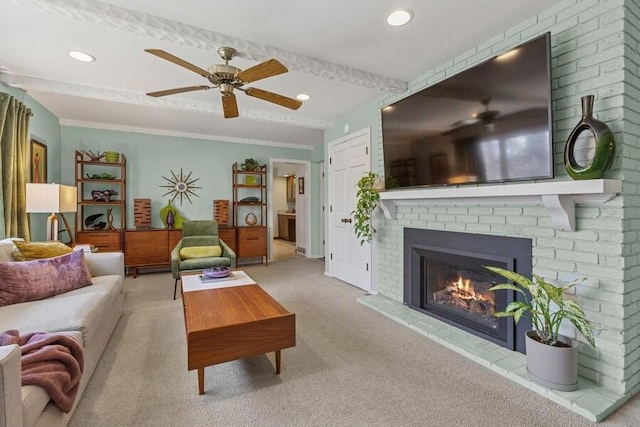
[[488, 123]]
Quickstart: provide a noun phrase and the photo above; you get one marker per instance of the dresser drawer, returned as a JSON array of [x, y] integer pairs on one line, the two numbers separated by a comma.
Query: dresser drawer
[[105, 241], [146, 247], [252, 241], [228, 235]]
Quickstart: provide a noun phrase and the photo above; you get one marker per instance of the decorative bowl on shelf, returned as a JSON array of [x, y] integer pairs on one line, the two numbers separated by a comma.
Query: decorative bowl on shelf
[[216, 272], [112, 156]]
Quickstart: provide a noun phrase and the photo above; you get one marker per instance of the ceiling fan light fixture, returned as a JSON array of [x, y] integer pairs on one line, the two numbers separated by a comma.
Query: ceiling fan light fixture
[[303, 97], [81, 56], [400, 18]]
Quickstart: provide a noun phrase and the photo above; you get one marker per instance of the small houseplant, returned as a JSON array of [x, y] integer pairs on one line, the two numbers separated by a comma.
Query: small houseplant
[[552, 359], [250, 165], [368, 197]]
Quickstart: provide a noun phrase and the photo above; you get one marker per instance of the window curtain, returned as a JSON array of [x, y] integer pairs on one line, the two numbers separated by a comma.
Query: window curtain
[[14, 140]]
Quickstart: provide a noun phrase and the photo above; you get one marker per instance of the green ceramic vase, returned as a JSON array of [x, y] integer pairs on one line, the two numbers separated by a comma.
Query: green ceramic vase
[[605, 145], [164, 212], [177, 218]]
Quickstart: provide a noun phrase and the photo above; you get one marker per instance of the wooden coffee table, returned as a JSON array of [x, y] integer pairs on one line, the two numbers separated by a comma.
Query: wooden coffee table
[[232, 323]]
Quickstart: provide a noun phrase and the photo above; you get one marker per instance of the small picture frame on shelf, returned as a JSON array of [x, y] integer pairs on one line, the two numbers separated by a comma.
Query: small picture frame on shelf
[[301, 185]]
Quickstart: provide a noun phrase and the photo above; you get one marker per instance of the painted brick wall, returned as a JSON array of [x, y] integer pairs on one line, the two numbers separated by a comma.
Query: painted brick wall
[[593, 50]]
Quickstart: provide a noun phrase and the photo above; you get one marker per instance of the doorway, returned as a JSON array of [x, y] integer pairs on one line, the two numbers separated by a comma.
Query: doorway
[[289, 214]]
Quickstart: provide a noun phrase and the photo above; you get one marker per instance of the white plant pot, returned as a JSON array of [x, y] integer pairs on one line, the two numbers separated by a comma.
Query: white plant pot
[[552, 367]]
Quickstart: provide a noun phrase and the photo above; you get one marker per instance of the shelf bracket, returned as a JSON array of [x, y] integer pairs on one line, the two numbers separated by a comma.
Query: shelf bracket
[[562, 209], [388, 207]]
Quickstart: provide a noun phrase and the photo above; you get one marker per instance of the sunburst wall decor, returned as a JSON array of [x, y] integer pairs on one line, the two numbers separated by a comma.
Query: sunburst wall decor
[[180, 185]]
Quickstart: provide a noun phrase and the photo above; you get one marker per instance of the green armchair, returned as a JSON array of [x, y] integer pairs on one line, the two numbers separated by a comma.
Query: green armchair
[[201, 233]]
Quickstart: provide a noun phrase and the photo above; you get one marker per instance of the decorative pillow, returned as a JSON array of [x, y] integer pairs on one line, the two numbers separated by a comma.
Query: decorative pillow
[[42, 278], [40, 250], [6, 249], [200, 252]]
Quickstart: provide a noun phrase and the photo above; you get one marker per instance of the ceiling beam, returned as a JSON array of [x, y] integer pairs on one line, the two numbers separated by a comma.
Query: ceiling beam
[[96, 12], [178, 104]]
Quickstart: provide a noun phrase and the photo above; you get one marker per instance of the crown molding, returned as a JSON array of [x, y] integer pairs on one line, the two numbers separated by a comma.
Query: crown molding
[[148, 131], [96, 12], [177, 104]]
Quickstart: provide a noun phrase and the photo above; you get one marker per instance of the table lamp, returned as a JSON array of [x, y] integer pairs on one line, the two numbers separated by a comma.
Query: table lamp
[[51, 198]]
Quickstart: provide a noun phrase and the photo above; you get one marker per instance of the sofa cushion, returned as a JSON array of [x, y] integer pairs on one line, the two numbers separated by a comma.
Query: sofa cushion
[[38, 279], [84, 312], [6, 251], [40, 250], [200, 252], [7, 248]]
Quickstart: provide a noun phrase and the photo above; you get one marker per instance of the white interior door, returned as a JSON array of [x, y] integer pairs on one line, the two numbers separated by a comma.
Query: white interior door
[[349, 159]]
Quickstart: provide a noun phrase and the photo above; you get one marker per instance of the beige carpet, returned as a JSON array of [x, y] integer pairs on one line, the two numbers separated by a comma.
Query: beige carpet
[[351, 367]]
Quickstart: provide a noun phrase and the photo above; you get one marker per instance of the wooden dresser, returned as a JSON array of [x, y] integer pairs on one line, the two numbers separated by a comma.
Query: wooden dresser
[[228, 235], [252, 241], [149, 248], [105, 241]]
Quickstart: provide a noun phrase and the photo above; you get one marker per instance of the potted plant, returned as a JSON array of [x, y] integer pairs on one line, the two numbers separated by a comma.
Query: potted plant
[[250, 165], [552, 359], [368, 196]]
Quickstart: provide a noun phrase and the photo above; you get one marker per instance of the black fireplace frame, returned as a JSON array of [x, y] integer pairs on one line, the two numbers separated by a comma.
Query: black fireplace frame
[[514, 252]]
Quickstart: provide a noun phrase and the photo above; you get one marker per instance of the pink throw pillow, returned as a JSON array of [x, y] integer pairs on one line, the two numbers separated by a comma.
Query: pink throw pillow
[[42, 278]]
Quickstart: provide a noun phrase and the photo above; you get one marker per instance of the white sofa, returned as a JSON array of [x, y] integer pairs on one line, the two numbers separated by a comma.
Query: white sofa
[[89, 313]]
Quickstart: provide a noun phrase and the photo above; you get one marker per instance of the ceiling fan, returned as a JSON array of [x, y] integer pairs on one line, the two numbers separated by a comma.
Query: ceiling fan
[[487, 116], [227, 78]]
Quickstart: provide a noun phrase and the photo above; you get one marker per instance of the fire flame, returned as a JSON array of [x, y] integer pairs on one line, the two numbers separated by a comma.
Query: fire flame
[[463, 289]]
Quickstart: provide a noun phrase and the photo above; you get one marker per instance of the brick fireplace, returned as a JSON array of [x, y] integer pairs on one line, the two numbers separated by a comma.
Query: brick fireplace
[[590, 247], [444, 277]]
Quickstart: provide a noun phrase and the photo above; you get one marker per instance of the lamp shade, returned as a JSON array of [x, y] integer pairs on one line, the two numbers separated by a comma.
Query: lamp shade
[[50, 198]]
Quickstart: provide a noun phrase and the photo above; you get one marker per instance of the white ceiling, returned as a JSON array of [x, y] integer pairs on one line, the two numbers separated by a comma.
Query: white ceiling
[[341, 53]]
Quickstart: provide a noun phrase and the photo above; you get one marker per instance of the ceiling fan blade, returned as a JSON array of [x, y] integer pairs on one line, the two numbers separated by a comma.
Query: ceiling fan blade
[[265, 69], [181, 62], [177, 90], [291, 103], [229, 106]]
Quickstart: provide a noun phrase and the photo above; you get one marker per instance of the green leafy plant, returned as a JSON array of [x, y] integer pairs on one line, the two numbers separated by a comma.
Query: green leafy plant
[[368, 197], [545, 301], [250, 165]]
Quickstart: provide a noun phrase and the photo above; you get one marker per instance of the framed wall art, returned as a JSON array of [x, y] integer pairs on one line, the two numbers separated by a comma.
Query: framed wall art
[[38, 162], [301, 185]]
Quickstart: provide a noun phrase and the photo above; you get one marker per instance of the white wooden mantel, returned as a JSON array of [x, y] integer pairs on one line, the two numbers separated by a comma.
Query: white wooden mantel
[[559, 197]]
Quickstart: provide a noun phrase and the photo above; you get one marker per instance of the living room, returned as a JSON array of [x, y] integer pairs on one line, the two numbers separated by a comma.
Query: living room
[[592, 52]]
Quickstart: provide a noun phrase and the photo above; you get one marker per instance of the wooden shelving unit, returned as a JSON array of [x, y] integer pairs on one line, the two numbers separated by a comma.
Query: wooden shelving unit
[[250, 218], [107, 239]]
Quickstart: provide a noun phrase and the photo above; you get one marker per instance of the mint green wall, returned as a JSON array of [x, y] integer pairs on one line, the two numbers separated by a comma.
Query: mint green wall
[[150, 157], [45, 128]]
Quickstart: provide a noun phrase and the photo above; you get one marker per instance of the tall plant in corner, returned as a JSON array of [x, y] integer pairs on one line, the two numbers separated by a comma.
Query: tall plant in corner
[[367, 200]]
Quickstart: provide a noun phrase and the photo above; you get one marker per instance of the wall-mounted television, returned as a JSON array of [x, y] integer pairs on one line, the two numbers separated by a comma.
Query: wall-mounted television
[[488, 123]]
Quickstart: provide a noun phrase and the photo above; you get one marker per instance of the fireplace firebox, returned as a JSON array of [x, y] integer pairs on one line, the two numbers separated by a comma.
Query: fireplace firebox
[[445, 277]]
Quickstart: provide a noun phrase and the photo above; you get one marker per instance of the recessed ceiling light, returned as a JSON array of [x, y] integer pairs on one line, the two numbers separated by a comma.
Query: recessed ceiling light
[[387, 108], [81, 56], [400, 17], [303, 96]]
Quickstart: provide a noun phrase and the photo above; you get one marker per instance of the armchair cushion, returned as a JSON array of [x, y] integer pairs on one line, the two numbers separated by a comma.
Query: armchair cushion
[[200, 252]]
